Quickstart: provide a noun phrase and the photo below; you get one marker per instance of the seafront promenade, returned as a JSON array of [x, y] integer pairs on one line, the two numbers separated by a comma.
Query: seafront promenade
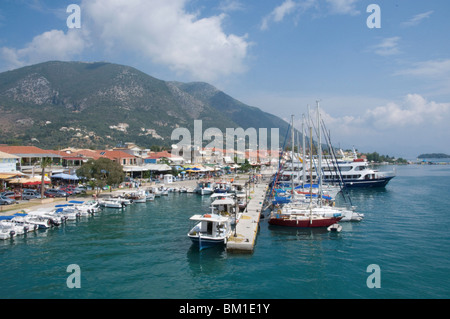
[[35, 204]]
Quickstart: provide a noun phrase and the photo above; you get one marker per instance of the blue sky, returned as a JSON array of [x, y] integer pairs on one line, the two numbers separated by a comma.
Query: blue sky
[[381, 89]]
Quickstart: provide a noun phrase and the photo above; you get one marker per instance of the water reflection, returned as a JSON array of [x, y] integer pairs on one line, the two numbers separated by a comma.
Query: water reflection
[[207, 261]]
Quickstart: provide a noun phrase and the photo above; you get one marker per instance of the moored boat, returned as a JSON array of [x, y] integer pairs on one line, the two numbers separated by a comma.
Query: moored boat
[[209, 230]]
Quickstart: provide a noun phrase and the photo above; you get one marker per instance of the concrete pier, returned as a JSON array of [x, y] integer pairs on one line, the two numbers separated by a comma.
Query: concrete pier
[[243, 239]]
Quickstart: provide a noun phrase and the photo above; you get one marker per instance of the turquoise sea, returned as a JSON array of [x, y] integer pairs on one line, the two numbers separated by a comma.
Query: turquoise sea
[[143, 252]]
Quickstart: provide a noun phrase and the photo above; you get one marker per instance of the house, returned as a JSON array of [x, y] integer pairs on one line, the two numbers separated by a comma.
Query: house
[[30, 156], [157, 157], [132, 149], [8, 162], [118, 156]]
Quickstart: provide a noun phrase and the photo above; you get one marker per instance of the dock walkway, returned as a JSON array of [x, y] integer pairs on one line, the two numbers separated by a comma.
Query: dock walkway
[[243, 239]]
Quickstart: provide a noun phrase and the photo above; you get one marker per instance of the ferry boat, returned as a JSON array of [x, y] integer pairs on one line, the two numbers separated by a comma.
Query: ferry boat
[[352, 173]]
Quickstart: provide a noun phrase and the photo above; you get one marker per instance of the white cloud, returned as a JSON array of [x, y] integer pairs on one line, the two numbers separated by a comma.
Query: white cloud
[[431, 68], [414, 110], [401, 128], [50, 45], [231, 5], [387, 47], [278, 14], [417, 19], [343, 6], [163, 32], [289, 7]]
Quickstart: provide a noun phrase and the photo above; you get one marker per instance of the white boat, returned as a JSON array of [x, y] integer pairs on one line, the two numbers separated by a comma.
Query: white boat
[[6, 231], [183, 189], [89, 207], [156, 191], [112, 203], [149, 196], [20, 221], [335, 228], [209, 230], [40, 221], [205, 188], [226, 207], [8, 224], [354, 172], [69, 212], [42, 215]]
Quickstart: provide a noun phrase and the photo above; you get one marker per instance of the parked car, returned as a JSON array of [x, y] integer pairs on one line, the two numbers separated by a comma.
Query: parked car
[[67, 190], [9, 194], [30, 195], [6, 200], [55, 193]]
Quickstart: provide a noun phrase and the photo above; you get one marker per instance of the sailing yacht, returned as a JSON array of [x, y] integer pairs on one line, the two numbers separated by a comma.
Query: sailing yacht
[[299, 213]]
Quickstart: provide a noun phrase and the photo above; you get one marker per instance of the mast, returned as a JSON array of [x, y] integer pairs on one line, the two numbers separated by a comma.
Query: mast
[[304, 150], [310, 167], [292, 159], [319, 157]]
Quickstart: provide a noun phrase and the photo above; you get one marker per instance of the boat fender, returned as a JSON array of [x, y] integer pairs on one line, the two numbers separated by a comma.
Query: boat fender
[[12, 233]]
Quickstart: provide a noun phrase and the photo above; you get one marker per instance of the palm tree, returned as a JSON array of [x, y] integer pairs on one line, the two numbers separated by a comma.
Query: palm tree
[[45, 162]]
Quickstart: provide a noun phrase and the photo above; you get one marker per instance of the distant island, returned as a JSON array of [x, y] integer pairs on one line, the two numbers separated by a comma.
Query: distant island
[[434, 155]]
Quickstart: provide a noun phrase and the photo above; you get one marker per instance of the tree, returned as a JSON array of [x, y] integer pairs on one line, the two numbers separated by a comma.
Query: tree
[[102, 172], [45, 162]]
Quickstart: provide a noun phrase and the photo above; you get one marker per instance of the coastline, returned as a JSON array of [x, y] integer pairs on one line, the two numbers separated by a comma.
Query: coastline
[[35, 204]]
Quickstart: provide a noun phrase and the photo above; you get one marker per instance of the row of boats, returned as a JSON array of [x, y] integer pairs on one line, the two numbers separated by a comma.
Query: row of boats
[[303, 191], [23, 222]]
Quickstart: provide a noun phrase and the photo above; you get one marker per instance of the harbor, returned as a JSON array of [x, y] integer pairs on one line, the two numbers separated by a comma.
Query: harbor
[[142, 251]]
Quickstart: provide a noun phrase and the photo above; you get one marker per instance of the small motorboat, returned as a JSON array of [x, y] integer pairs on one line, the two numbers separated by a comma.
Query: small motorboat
[[334, 228], [210, 230]]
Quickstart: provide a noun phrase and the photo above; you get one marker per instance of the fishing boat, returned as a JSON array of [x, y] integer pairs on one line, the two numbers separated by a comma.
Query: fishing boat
[[222, 187], [210, 230], [205, 188], [226, 207]]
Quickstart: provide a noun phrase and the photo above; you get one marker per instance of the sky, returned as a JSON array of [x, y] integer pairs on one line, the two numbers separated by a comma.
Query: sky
[[379, 69]]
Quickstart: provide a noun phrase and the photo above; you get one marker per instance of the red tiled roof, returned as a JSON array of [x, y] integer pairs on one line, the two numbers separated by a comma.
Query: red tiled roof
[[159, 155], [24, 150], [113, 154]]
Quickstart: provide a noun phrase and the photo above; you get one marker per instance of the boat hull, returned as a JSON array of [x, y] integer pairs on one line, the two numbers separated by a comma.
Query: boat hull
[[380, 182], [304, 223], [204, 243]]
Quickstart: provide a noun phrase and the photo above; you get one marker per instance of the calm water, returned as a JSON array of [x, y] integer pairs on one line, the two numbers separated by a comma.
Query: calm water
[[143, 252]]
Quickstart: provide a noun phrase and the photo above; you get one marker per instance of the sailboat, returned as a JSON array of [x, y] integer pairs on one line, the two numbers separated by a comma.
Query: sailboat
[[300, 214]]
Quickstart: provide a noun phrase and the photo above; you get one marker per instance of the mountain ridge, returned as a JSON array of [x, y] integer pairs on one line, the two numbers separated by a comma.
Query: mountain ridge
[[57, 104]]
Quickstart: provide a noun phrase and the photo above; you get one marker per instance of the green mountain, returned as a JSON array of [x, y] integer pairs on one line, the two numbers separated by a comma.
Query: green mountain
[[99, 105]]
